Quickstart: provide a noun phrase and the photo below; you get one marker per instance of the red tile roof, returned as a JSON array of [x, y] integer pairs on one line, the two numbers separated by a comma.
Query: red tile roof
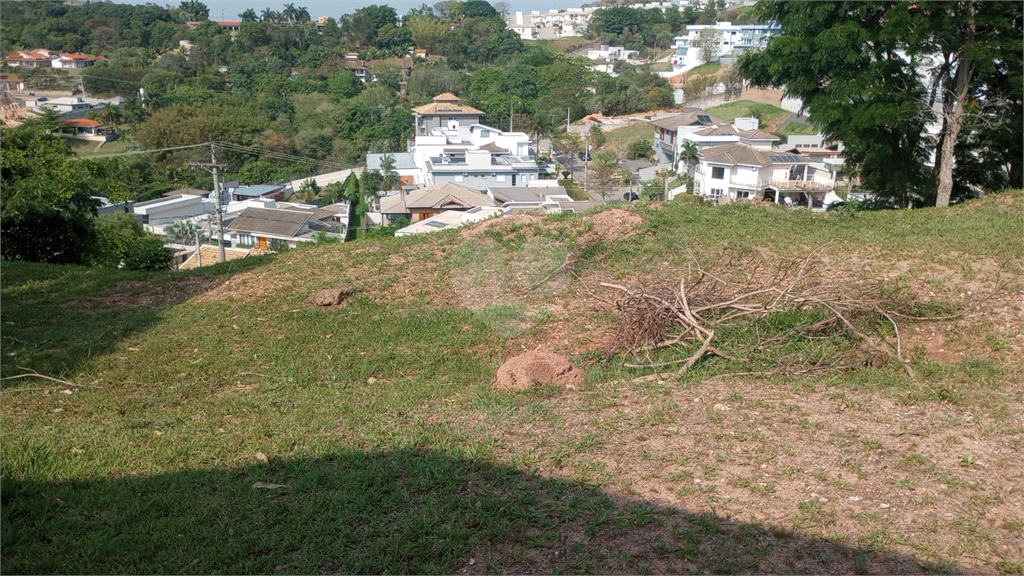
[[81, 123]]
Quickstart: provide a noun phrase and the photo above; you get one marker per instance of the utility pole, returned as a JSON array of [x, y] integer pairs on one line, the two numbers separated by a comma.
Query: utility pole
[[568, 118], [214, 167], [510, 103]]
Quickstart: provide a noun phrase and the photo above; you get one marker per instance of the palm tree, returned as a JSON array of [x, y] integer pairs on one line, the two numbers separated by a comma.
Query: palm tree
[[389, 176], [689, 153], [268, 15], [248, 16], [302, 15], [184, 232], [289, 12]]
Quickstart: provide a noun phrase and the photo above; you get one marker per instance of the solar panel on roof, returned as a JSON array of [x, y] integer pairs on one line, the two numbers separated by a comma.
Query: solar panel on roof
[[703, 118], [436, 224], [785, 158]]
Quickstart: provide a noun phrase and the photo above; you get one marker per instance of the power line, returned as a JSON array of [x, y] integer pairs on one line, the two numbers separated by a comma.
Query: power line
[[135, 152]]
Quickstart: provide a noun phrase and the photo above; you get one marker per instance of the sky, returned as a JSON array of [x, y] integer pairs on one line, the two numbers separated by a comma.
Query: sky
[[230, 9]]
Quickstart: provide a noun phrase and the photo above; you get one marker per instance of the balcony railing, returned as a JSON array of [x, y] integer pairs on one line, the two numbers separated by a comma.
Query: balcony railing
[[810, 185]]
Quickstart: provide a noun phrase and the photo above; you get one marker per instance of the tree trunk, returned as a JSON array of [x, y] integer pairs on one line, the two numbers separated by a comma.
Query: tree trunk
[[953, 116]]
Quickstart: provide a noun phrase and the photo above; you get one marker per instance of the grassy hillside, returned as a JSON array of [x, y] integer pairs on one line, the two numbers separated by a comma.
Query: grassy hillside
[[210, 421], [771, 116]]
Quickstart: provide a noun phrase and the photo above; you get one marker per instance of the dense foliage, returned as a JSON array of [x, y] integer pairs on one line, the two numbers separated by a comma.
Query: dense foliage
[[870, 74]]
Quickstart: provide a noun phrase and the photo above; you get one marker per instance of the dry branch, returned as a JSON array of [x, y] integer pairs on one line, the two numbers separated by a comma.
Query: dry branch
[[689, 313]]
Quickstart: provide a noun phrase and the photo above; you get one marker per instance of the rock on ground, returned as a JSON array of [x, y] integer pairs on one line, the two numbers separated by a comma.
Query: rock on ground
[[330, 296], [536, 368]]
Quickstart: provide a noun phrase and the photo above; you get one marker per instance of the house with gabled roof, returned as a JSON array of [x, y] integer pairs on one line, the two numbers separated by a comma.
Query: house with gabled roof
[[446, 111], [739, 171], [289, 223], [427, 202]]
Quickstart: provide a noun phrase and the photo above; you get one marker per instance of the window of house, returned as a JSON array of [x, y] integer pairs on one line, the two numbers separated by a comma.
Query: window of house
[[718, 172], [715, 193], [485, 133], [246, 240], [743, 193]]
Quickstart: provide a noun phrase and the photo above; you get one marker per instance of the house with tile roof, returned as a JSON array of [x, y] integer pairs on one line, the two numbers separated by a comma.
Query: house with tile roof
[[739, 171], [426, 202], [291, 224], [446, 111]]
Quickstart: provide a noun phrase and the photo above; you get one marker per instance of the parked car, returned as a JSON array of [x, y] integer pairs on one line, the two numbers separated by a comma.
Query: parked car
[[41, 99], [631, 196], [585, 156]]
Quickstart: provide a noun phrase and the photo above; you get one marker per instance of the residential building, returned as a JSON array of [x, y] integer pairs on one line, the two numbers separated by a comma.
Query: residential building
[[730, 42], [425, 202], [697, 126], [326, 179], [409, 175], [270, 191], [537, 199], [232, 26], [739, 171], [291, 224], [450, 145], [73, 106], [43, 58], [450, 219], [613, 53], [155, 214], [446, 111], [75, 60], [85, 129], [11, 84]]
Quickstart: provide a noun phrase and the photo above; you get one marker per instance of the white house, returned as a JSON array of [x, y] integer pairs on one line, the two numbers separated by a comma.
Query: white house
[[451, 219], [729, 42], [451, 145], [739, 171], [613, 53], [695, 125], [155, 214]]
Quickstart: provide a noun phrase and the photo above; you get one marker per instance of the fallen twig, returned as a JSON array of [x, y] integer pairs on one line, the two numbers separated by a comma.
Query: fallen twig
[[44, 377]]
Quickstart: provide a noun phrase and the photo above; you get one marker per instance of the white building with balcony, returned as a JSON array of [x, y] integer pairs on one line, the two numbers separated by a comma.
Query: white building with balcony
[[739, 171], [730, 41]]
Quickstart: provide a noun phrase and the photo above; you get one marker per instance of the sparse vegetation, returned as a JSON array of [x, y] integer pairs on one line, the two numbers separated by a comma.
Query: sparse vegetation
[[275, 437]]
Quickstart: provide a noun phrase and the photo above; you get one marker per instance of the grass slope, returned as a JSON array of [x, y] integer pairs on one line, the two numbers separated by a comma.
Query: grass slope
[[386, 450], [771, 116]]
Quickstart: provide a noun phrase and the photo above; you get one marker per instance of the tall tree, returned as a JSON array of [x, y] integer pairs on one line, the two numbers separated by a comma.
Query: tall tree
[[249, 15], [870, 72], [971, 40], [842, 59]]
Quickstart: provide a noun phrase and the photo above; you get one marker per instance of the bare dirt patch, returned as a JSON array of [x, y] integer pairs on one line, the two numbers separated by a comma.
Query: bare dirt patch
[[614, 224]]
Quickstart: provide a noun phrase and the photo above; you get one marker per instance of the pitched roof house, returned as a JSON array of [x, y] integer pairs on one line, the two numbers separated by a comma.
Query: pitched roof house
[[446, 111], [426, 202], [291, 224], [739, 171]]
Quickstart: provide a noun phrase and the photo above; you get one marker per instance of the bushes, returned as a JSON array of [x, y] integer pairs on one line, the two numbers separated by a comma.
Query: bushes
[[121, 242], [639, 149]]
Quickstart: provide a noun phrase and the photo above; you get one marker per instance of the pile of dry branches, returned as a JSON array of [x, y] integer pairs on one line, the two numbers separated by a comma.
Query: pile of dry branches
[[706, 300]]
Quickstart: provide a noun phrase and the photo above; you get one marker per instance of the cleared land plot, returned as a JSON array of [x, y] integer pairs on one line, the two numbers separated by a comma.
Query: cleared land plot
[[218, 424]]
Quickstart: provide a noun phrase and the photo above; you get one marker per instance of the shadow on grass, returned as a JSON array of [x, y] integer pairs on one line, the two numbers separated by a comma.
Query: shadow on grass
[[400, 511], [56, 317]]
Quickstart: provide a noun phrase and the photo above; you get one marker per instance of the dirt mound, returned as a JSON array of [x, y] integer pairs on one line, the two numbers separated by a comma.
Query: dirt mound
[[330, 296], [479, 228], [614, 224], [536, 367]]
